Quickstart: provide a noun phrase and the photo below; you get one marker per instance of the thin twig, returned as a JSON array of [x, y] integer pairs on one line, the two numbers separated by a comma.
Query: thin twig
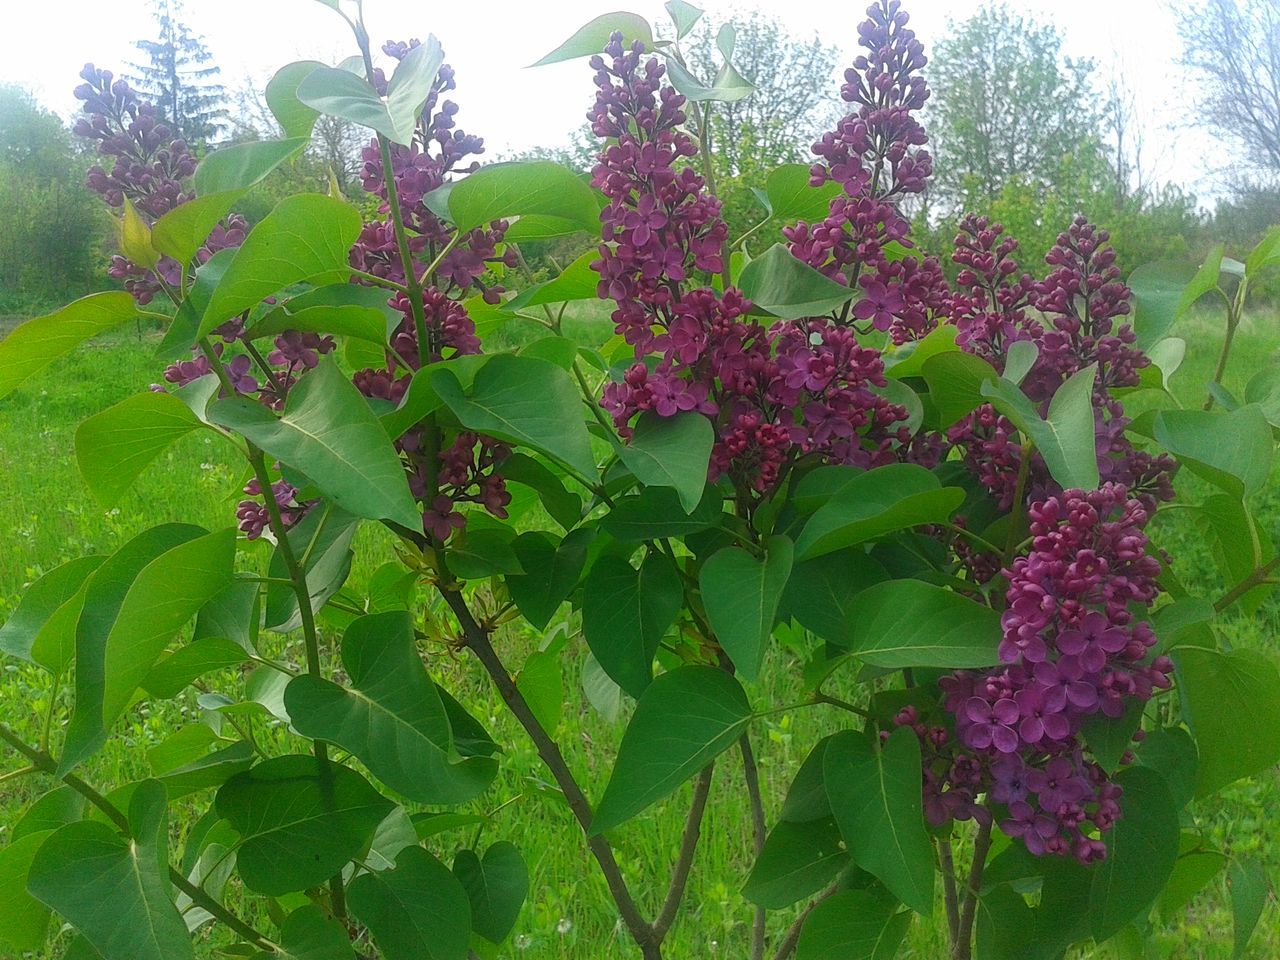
[[1258, 577], [947, 864], [751, 773], [962, 948], [477, 639], [684, 860], [788, 944]]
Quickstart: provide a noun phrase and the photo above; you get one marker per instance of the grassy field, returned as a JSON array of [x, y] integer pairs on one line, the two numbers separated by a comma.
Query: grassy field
[[48, 517]]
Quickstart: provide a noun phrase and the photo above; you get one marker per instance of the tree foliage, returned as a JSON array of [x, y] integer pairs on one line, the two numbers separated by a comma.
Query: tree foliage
[[180, 77]]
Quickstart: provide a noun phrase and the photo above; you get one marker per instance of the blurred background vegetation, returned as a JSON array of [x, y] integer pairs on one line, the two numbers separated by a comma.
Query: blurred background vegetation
[[1019, 131]]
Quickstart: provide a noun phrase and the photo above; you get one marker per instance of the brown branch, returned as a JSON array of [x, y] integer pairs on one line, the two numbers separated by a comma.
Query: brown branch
[[684, 860], [477, 639], [962, 947], [751, 772], [792, 937]]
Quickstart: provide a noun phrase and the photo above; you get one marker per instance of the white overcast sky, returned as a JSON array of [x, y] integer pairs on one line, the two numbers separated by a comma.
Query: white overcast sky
[[43, 44]]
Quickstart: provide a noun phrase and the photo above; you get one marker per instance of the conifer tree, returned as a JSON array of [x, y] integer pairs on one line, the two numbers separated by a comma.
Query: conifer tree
[[179, 76]]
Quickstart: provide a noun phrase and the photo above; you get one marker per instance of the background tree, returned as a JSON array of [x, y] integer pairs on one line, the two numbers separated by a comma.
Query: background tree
[[1235, 47], [1007, 103], [49, 224], [796, 99], [180, 77]]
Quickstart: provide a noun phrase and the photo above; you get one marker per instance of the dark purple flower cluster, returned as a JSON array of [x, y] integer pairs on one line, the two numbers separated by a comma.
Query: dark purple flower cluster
[[148, 169], [467, 469], [876, 155], [1071, 648], [254, 516], [1071, 317], [437, 152], [797, 388]]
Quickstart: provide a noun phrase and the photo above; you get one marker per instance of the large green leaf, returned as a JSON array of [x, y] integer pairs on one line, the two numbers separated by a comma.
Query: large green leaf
[[956, 382], [1191, 873], [685, 719], [798, 859], [222, 178], [908, 360], [551, 573], [321, 543], [625, 613], [134, 604], [728, 86], [741, 593], [1158, 289], [57, 808], [1171, 752], [175, 672], [329, 433], [410, 85], [871, 504], [299, 823], [657, 513], [853, 925], [592, 37], [526, 401], [876, 796], [820, 593], [113, 890], [576, 282], [342, 309], [115, 447], [791, 197], [785, 287], [1249, 683], [391, 716], [339, 93], [1141, 850], [296, 119], [1231, 450], [671, 452], [496, 885], [503, 190], [418, 911], [910, 623], [1005, 925], [1248, 900], [305, 238], [683, 15], [24, 922], [40, 603], [1066, 437], [32, 346], [309, 934]]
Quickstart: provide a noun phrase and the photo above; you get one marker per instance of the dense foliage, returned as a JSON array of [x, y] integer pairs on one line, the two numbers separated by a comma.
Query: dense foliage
[[928, 501]]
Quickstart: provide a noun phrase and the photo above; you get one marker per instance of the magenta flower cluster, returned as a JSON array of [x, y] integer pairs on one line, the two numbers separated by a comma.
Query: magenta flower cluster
[[773, 395], [1071, 649], [467, 468], [1073, 318], [876, 154]]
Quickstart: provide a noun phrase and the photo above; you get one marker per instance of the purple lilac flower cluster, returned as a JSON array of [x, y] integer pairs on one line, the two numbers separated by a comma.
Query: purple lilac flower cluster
[[876, 154], [797, 388], [152, 172], [467, 469], [1071, 649], [1071, 317]]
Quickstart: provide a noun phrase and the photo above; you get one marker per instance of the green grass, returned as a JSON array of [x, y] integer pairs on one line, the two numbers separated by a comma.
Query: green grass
[[48, 517]]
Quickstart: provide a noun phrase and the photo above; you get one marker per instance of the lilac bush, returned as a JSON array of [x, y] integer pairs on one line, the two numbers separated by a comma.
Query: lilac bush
[[810, 464]]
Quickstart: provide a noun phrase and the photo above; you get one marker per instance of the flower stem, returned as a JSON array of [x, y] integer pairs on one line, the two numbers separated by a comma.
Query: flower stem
[[751, 773]]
